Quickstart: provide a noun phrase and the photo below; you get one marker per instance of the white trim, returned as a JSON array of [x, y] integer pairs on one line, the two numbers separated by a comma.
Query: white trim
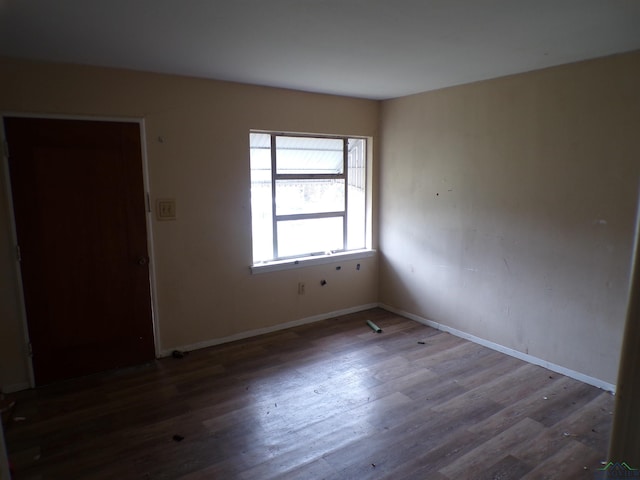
[[16, 387], [22, 305], [310, 261], [153, 286], [369, 199], [506, 350], [62, 116], [262, 331], [4, 460]]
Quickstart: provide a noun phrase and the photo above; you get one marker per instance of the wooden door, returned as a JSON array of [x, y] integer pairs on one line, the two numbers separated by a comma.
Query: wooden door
[[79, 203]]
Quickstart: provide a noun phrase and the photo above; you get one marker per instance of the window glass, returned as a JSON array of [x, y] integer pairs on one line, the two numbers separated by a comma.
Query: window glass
[[261, 196], [357, 194], [310, 156], [309, 196], [317, 235]]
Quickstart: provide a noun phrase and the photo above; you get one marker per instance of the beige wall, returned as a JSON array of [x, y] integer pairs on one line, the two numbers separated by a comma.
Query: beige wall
[[204, 288], [508, 207]]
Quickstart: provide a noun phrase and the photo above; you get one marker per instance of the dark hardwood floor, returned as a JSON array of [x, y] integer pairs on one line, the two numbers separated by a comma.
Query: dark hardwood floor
[[329, 400]]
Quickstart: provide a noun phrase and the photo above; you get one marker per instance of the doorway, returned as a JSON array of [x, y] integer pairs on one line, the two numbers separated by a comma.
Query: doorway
[[80, 214]]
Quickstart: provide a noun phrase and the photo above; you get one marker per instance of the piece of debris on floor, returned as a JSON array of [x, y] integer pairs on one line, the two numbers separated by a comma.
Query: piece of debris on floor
[[421, 343], [178, 354], [178, 438], [374, 327]]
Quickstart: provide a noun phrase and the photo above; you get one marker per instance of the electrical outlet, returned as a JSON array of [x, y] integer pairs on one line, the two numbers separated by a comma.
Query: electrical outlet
[[300, 288]]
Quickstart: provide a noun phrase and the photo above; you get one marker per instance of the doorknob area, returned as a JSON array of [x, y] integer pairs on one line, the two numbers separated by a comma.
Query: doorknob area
[[142, 261]]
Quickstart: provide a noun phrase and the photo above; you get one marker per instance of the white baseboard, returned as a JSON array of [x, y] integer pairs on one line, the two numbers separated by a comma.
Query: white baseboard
[[506, 350], [261, 331], [15, 387], [324, 316]]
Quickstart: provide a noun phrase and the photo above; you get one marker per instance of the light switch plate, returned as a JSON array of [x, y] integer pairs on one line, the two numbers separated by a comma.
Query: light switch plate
[[166, 208]]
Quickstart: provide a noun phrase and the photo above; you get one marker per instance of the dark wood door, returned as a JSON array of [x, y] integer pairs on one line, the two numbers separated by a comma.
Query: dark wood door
[[79, 203]]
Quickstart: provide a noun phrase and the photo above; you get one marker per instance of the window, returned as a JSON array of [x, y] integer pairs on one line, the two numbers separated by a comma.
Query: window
[[308, 195]]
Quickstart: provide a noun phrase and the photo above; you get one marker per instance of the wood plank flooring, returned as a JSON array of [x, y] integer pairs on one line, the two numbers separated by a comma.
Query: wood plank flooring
[[329, 400]]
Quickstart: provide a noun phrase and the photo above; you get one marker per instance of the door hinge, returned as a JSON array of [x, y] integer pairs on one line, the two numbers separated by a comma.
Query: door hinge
[[148, 203], [18, 254], [30, 349]]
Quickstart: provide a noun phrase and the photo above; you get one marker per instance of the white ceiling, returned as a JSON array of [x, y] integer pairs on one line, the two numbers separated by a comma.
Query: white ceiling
[[364, 48]]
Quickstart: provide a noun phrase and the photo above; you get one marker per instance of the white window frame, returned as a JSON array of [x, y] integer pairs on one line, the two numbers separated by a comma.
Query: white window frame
[[314, 258]]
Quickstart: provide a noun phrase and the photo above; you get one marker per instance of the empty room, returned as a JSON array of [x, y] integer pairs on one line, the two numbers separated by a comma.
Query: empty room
[[319, 240]]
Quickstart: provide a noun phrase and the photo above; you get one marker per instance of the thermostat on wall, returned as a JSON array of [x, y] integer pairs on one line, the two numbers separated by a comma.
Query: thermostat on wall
[[166, 208]]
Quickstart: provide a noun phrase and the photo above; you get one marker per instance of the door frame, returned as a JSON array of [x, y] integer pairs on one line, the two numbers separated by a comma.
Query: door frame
[[14, 235]]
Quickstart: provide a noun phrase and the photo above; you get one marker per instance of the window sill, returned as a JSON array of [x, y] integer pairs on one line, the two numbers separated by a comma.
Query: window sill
[[310, 261]]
